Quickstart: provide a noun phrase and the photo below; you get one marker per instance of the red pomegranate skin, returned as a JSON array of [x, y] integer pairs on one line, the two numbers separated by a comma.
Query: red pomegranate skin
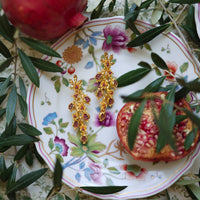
[[45, 19]]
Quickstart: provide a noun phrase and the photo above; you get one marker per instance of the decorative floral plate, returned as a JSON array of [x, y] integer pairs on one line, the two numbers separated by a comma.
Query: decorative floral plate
[[102, 161]]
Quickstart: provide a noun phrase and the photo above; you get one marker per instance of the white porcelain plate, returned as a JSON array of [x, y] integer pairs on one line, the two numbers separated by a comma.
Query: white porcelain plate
[[103, 161], [197, 17]]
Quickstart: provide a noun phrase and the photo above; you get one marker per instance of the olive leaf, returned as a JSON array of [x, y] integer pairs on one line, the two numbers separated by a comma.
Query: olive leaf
[[2, 112], [134, 124], [22, 88], [146, 4], [195, 119], [57, 176], [103, 189], [148, 36], [29, 157], [45, 65], [5, 64], [29, 130], [112, 5], [190, 138], [97, 11], [193, 85], [21, 152], [26, 180], [144, 64], [12, 177], [23, 106], [6, 29], [2, 167], [17, 140], [41, 47], [180, 118], [2, 98], [11, 104], [194, 189], [132, 76], [184, 1], [181, 93], [158, 61], [166, 122], [188, 181], [29, 67], [4, 50], [4, 86]]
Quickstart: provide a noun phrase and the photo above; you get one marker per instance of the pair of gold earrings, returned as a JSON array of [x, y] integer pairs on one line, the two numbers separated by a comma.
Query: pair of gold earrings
[[105, 91]]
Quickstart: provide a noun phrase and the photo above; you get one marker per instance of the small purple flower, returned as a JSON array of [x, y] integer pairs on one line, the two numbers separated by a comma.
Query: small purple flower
[[49, 118], [95, 173], [61, 146], [108, 121], [115, 39]]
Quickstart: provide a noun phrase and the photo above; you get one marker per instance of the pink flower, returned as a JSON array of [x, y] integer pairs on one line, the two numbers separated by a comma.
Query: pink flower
[[61, 146], [96, 172], [115, 39], [172, 69]]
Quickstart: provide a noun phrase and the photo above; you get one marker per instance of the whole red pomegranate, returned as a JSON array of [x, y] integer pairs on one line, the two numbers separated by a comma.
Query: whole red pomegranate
[[145, 145], [45, 19]]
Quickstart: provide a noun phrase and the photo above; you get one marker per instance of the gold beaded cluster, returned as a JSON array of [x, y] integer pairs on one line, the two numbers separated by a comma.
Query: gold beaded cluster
[[106, 85], [80, 115]]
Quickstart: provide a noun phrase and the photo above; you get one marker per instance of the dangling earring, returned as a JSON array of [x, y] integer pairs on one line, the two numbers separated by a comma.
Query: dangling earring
[[106, 85], [80, 115]]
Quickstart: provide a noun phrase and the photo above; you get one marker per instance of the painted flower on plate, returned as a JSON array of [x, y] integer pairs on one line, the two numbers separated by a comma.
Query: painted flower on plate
[[49, 118], [108, 121], [170, 76], [96, 173], [90, 149], [72, 54], [61, 146], [115, 39]]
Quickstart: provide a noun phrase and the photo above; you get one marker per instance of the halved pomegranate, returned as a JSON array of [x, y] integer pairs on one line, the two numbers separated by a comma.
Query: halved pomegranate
[[145, 145]]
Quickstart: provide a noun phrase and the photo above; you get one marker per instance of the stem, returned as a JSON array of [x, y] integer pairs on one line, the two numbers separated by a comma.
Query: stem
[[180, 34], [15, 60]]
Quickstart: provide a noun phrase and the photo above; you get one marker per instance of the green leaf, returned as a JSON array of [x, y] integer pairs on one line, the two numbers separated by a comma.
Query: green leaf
[[136, 169], [11, 104], [39, 46], [4, 50], [190, 138], [4, 86], [158, 61], [12, 177], [45, 65], [65, 82], [156, 15], [166, 122], [48, 130], [144, 64], [113, 170], [7, 173], [132, 76], [22, 88], [180, 118], [146, 4], [184, 1], [23, 106], [2, 98], [2, 112], [26, 180], [57, 85], [147, 36], [155, 85], [3, 167], [104, 189], [29, 67], [64, 125], [134, 125], [5, 64], [195, 119], [29, 130], [77, 196], [6, 29], [17, 140], [97, 11], [57, 176], [21, 152], [195, 190], [184, 67], [187, 182], [111, 5], [193, 85], [181, 93], [29, 157]]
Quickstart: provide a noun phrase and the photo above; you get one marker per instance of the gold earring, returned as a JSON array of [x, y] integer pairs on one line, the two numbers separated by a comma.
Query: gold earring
[[80, 115], [106, 85]]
